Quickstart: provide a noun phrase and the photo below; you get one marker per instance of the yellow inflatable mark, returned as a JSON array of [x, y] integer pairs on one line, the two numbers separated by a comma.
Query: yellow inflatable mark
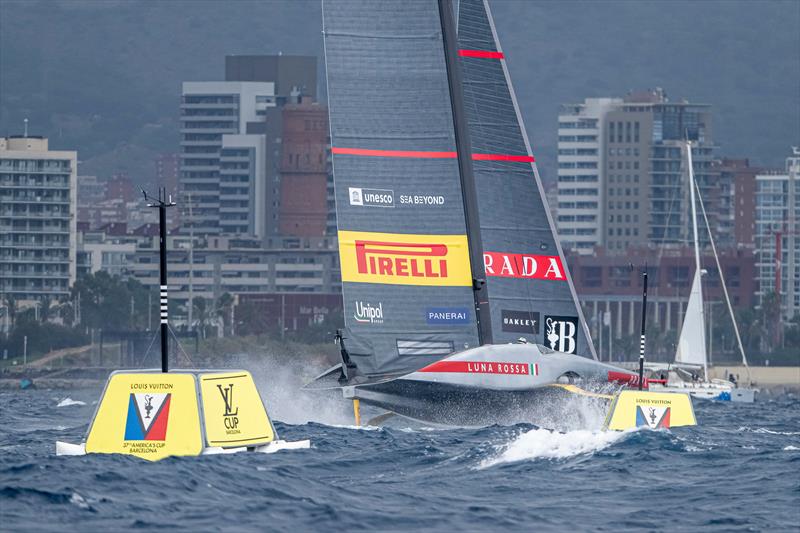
[[633, 408], [233, 411], [149, 415]]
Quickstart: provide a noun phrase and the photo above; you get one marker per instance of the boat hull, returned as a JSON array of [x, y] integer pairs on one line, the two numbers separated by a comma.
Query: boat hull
[[496, 384], [455, 405], [711, 391]]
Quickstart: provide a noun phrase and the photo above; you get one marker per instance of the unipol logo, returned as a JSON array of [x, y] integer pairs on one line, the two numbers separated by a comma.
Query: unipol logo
[[367, 313], [405, 260], [560, 333], [505, 265]]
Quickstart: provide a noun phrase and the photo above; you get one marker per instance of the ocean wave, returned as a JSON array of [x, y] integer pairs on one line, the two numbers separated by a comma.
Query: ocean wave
[[66, 402], [767, 431], [547, 444]]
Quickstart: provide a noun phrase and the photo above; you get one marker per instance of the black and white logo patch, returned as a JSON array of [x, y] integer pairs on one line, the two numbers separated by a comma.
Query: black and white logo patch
[[561, 333], [520, 321]]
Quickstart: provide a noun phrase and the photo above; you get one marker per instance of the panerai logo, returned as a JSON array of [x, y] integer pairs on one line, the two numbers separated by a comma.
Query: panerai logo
[[560, 333], [231, 418], [367, 313]]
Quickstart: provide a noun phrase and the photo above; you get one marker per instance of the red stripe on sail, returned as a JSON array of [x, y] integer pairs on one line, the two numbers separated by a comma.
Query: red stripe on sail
[[394, 153], [481, 53], [422, 154], [503, 157]]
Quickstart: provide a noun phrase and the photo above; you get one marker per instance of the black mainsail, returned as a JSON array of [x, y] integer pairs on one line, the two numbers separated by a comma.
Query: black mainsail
[[530, 292], [403, 239], [448, 254]]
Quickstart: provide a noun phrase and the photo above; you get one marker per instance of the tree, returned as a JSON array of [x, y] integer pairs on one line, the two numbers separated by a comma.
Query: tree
[[106, 301], [223, 310], [201, 314]]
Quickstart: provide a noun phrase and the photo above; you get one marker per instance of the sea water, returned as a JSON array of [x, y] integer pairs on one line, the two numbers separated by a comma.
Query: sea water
[[738, 470]]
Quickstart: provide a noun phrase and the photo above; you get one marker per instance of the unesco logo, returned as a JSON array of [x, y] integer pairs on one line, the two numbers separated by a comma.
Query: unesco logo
[[371, 197]]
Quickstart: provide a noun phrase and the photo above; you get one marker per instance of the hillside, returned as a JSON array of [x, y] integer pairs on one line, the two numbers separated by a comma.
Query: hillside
[[104, 77]]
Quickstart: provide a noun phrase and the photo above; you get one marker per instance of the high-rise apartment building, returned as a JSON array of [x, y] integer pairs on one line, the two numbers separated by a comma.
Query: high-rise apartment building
[[231, 144], [581, 159], [38, 202], [223, 173], [777, 232], [736, 206], [167, 167], [636, 183]]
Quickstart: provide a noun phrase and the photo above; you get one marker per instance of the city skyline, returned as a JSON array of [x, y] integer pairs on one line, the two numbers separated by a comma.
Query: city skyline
[[582, 66]]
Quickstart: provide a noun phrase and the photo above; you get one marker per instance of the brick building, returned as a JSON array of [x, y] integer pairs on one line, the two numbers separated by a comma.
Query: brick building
[[304, 169], [612, 283]]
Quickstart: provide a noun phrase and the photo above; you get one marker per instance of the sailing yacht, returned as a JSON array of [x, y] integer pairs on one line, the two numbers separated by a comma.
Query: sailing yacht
[[691, 357], [459, 305]]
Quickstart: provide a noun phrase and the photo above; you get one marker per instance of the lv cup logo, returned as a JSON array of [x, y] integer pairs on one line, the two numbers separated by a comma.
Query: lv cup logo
[[230, 416]]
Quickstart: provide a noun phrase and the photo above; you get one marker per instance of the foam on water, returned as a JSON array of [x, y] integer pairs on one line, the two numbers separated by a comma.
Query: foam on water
[[280, 381], [66, 402], [546, 444], [496, 478]]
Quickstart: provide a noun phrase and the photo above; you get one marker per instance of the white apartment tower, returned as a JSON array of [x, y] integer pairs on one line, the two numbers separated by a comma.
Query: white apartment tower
[[223, 173], [581, 160], [621, 177], [38, 222], [777, 233]]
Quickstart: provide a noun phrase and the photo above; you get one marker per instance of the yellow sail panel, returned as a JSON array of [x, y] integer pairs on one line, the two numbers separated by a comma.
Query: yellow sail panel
[[234, 413], [404, 259], [149, 415]]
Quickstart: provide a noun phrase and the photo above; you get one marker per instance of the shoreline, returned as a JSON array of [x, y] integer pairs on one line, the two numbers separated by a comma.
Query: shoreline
[[770, 380]]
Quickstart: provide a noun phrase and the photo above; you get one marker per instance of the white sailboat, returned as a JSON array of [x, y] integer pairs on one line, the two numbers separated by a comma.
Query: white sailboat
[[691, 357]]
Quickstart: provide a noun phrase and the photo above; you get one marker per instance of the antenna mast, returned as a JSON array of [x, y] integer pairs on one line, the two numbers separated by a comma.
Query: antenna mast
[[162, 204]]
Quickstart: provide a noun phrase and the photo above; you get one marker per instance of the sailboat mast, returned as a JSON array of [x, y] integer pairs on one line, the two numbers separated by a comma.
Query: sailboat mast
[[696, 249], [469, 191], [724, 287]]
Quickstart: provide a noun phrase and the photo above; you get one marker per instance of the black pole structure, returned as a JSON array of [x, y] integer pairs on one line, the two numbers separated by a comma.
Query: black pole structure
[[162, 204], [641, 340], [464, 151]]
